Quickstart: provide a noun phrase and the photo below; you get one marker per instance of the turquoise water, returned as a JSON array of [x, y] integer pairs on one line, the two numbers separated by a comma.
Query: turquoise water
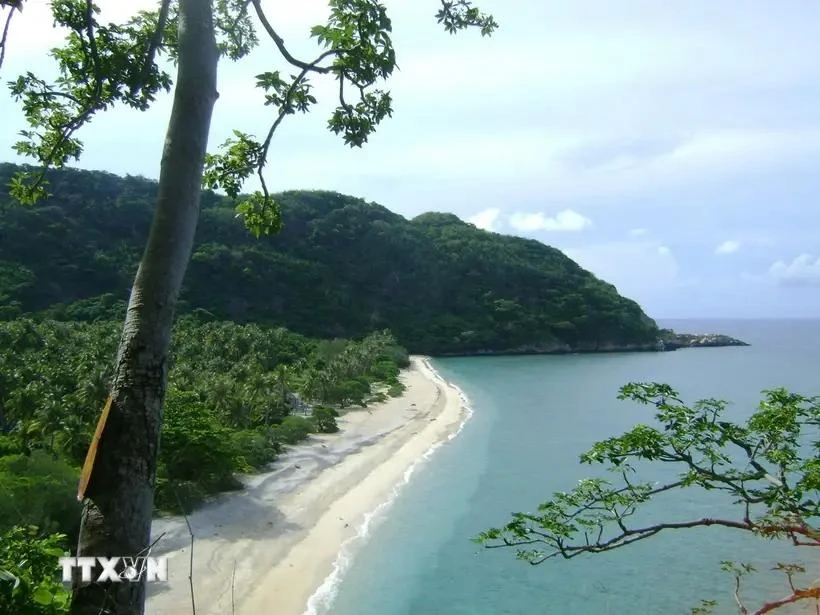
[[532, 418]]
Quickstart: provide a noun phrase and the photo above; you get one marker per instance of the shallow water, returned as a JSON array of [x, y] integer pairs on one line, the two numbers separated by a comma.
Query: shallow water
[[533, 416]]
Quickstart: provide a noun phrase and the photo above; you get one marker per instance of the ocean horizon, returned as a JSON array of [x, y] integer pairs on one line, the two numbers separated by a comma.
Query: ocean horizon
[[530, 418]]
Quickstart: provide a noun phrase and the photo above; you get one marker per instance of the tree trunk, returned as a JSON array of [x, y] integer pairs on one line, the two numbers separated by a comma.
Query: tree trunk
[[117, 514]]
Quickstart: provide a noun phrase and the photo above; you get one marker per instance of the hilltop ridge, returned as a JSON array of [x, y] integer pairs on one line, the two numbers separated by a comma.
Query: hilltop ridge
[[341, 267]]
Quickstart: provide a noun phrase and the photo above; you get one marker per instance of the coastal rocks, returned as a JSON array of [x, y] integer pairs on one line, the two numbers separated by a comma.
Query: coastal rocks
[[550, 347], [668, 340], [673, 341], [558, 347]]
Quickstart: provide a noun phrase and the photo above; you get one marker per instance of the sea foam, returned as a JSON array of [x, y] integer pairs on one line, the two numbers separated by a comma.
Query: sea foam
[[322, 599]]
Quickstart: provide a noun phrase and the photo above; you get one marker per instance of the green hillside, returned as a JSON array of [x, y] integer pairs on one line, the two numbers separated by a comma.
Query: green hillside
[[341, 267]]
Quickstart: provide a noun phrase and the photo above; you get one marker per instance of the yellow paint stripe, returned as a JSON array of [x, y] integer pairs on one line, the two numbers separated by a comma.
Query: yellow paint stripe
[[91, 455]]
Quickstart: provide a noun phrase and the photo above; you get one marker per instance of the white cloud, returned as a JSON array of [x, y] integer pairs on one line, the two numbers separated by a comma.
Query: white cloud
[[802, 271], [637, 232], [566, 220], [664, 251], [730, 246], [485, 219]]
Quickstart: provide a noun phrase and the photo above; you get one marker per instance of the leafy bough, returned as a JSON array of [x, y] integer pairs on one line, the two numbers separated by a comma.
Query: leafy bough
[[768, 465]]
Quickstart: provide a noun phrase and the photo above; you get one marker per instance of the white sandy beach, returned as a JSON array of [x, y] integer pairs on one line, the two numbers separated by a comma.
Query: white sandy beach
[[278, 539]]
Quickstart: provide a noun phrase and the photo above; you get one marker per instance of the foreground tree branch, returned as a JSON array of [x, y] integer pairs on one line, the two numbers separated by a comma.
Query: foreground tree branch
[[357, 39], [9, 6], [280, 43], [153, 47], [765, 464]]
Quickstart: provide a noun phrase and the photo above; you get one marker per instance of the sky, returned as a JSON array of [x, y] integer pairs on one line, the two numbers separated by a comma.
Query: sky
[[671, 148]]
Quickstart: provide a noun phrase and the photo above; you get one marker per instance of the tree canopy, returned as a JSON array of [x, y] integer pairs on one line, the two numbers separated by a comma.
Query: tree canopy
[[102, 65], [238, 395]]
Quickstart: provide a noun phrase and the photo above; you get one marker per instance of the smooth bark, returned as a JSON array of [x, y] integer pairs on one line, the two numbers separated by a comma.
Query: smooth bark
[[120, 497]]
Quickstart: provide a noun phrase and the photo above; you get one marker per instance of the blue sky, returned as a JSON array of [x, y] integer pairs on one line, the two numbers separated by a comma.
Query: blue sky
[[671, 148]]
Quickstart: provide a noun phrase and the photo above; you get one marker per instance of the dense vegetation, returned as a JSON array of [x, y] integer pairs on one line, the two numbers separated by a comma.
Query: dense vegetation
[[237, 395], [340, 267], [261, 356]]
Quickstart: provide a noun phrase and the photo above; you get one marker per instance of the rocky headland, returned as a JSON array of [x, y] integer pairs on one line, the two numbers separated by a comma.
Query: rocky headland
[[672, 341], [667, 340]]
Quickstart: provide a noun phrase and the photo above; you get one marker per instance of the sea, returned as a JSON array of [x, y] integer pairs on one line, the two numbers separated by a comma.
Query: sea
[[531, 417]]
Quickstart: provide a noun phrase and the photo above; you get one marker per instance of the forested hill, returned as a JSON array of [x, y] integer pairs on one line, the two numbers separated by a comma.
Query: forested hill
[[341, 267]]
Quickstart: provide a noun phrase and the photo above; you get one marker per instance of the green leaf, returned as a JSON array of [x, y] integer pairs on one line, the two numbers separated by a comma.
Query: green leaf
[[42, 596], [260, 214]]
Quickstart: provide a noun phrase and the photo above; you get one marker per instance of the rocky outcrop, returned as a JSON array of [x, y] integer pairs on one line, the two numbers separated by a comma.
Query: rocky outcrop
[[672, 341], [669, 340], [557, 347]]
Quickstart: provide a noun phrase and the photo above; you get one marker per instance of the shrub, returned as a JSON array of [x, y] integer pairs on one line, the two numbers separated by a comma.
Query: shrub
[[396, 389], [254, 449], [397, 355], [325, 419], [30, 580], [195, 447], [385, 370], [350, 391], [293, 429], [178, 496], [378, 398], [40, 490], [10, 445]]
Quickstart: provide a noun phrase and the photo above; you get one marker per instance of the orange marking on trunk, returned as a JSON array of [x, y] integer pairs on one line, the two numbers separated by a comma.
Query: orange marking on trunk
[[91, 455]]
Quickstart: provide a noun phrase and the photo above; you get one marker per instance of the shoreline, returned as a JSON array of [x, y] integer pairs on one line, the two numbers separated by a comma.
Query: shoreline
[[281, 544]]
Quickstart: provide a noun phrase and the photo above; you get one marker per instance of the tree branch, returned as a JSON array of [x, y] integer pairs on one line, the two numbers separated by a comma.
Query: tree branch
[[92, 45], [155, 44], [233, 589], [280, 44], [241, 13], [283, 111], [191, 555], [6, 29], [741, 607], [796, 596], [626, 536]]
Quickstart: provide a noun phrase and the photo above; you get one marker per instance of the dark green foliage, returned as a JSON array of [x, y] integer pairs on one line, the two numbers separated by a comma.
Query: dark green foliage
[[40, 490], [53, 382], [232, 389], [195, 445], [254, 448], [349, 392], [96, 68], [324, 419], [30, 581], [396, 389], [340, 267], [386, 371], [293, 429]]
